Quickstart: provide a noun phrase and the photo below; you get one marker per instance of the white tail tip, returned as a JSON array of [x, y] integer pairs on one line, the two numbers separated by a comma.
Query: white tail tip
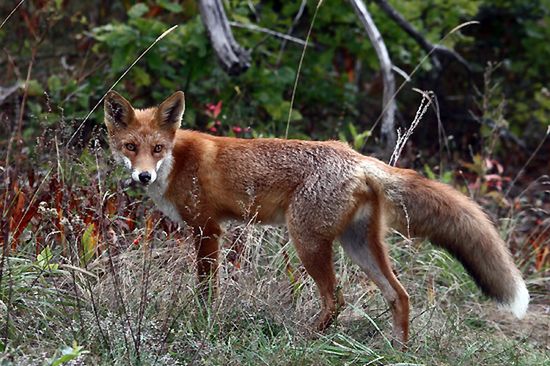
[[518, 305]]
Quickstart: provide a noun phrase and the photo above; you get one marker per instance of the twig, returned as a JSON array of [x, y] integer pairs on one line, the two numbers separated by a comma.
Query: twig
[[7, 91], [403, 138], [388, 112], [401, 72], [11, 13], [291, 29], [256, 28]]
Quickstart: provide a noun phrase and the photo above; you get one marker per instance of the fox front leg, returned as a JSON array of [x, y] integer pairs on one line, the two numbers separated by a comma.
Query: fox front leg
[[207, 249]]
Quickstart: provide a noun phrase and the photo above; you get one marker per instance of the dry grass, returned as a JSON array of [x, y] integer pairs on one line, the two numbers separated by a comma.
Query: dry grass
[[139, 307]]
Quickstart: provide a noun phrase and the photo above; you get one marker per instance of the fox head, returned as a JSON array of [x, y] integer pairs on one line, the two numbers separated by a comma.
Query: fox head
[[143, 139]]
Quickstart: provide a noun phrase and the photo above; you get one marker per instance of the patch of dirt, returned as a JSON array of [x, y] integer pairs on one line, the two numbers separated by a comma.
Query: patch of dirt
[[535, 325]]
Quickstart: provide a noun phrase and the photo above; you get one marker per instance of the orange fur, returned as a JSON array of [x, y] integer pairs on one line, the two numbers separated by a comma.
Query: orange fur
[[322, 190]]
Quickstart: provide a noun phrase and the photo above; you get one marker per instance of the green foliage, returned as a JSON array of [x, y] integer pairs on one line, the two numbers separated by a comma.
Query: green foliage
[[89, 243], [44, 260], [445, 177], [259, 98], [31, 301], [434, 19], [338, 78], [172, 7], [542, 97], [357, 138], [524, 27], [68, 354]]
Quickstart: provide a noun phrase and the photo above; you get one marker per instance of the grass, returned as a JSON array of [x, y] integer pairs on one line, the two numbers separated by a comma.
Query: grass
[[135, 304], [92, 274]]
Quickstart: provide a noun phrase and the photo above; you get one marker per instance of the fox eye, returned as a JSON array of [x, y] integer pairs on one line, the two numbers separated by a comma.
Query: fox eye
[[130, 147], [158, 148]]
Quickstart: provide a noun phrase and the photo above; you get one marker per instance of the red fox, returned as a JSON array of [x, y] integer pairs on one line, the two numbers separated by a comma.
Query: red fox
[[323, 191]]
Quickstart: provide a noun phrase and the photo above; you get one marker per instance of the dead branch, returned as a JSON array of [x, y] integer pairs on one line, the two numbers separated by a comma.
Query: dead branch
[[387, 132], [435, 50], [5, 92], [255, 28], [291, 29], [233, 58]]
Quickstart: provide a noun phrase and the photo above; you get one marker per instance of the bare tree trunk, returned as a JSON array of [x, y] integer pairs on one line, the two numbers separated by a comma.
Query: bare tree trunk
[[233, 58], [387, 130]]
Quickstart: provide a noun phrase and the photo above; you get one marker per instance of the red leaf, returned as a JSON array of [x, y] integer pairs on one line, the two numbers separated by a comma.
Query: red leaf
[[22, 224], [217, 109], [17, 211]]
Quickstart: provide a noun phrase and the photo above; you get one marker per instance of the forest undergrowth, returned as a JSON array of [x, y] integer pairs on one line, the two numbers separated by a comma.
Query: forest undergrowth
[[91, 272]]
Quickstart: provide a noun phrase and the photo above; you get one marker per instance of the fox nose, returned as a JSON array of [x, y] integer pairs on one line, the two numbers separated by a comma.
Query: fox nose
[[144, 177]]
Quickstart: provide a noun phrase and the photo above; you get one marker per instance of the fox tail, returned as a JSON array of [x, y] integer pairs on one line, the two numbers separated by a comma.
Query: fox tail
[[424, 208]]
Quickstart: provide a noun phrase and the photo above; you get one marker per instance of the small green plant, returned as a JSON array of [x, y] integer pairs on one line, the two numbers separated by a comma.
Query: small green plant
[[44, 260], [357, 138], [68, 353], [89, 244], [445, 176]]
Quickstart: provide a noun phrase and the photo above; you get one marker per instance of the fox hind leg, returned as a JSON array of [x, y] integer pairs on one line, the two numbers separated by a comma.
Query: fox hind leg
[[363, 241], [315, 254]]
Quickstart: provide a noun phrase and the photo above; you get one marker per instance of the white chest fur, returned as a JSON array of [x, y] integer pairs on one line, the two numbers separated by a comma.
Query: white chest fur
[[157, 189]]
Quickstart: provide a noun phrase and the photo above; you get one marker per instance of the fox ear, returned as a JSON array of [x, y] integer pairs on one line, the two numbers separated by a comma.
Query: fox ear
[[118, 111], [170, 111]]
